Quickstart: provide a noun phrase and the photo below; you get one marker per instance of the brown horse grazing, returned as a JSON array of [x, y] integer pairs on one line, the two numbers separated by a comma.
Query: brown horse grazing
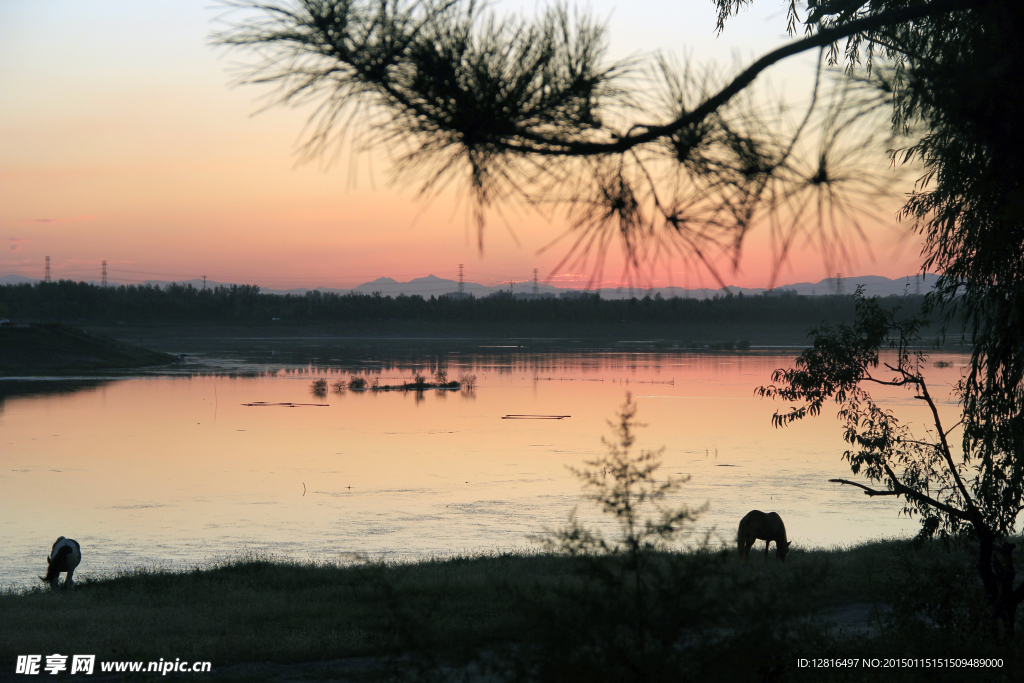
[[64, 557], [765, 526]]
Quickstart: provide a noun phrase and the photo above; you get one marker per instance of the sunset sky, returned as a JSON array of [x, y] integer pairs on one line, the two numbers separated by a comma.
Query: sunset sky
[[122, 140]]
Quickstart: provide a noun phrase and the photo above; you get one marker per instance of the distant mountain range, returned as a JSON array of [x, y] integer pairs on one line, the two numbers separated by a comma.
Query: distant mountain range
[[431, 285]]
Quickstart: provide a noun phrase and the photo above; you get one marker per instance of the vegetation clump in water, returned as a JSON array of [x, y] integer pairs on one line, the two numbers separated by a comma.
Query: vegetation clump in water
[[418, 383], [319, 387]]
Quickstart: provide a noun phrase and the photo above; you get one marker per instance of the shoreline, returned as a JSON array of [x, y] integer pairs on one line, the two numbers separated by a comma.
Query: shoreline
[[55, 349], [570, 336]]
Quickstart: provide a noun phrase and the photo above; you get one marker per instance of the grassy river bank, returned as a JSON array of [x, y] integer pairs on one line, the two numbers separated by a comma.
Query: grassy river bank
[[42, 349], [701, 615]]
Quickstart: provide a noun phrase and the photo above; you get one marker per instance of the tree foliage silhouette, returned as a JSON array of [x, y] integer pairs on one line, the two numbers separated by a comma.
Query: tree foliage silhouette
[[951, 78], [633, 602], [954, 490], [663, 160]]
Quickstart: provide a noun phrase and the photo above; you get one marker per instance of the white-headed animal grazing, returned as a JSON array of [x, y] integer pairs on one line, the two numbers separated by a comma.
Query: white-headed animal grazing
[[64, 557], [767, 527]]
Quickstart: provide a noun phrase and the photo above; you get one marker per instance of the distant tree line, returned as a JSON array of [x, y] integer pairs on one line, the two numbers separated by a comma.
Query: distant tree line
[[79, 302]]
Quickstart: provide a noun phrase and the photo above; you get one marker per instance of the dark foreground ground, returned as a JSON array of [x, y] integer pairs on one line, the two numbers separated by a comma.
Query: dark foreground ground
[[889, 607]]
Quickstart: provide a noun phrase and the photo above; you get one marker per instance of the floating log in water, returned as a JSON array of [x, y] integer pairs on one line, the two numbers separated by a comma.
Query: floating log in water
[[287, 405], [535, 417]]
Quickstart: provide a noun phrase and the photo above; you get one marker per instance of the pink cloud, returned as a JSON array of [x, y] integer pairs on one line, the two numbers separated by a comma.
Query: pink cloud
[[42, 220], [16, 243]]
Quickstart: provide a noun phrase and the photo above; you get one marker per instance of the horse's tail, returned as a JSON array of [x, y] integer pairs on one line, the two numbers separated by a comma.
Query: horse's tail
[[55, 564]]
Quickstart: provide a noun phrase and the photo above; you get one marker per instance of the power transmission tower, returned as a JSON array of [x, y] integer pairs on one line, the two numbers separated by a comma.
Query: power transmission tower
[[839, 284], [204, 282], [917, 285], [103, 281], [462, 285], [536, 286], [47, 278]]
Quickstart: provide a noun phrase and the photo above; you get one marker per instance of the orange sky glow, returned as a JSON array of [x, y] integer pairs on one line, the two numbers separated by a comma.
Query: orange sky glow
[[122, 140]]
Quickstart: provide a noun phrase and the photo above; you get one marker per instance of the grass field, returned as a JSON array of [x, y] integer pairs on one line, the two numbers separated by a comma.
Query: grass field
[[697, 615]]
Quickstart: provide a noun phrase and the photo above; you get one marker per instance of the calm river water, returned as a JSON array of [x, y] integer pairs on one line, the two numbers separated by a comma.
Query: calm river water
[[175, 469]]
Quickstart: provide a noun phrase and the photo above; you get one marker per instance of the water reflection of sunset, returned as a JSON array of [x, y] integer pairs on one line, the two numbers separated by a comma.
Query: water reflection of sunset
[[177, 469]]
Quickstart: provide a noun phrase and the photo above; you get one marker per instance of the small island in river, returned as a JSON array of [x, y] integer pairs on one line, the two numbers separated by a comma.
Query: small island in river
[[419, 383]]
